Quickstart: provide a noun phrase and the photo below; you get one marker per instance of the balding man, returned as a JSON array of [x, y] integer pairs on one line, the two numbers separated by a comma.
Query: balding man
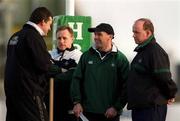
[[150, 87]]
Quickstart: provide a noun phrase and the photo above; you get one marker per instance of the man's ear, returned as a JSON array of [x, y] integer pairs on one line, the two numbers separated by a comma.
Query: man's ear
[[149, 33], [42, 22], [111, 36]]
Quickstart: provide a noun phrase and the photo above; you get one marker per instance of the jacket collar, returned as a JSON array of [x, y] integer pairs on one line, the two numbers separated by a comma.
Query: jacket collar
[[36, 27], [67, 49], [144, 44], [113, 51], [114, 48]]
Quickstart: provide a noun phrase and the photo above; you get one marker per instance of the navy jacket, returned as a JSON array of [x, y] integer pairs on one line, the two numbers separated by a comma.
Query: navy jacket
[[149, 81], [27, 63]]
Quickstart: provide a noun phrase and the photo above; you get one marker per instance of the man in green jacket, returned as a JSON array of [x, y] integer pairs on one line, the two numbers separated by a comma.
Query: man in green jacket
[[98, 86]]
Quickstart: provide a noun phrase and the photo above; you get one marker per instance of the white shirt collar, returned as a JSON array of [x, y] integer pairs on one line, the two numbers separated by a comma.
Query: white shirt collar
[[36, 27], [114, 48]]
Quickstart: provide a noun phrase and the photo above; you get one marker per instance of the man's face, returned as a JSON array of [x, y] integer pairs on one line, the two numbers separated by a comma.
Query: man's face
[[139, 34], [102, 39], [64, 39], [46, 26]]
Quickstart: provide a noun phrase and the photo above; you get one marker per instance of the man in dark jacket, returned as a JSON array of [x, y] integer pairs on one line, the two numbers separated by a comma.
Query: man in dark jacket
[[65, 58], [150, 87], [26, 65], [99, 83]]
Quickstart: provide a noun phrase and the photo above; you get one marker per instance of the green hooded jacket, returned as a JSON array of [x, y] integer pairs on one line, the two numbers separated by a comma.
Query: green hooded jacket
[[100, 82]]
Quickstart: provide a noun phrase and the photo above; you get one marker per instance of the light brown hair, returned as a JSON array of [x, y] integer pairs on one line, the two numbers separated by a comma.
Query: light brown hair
[[65, 28], [147, 24]]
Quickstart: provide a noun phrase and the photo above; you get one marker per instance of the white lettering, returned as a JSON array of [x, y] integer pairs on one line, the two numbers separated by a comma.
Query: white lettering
[[78, 29]]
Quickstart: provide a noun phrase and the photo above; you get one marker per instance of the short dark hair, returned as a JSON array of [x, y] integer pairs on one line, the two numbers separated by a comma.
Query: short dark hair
[[65, 28], [39, 14], [147, 24]]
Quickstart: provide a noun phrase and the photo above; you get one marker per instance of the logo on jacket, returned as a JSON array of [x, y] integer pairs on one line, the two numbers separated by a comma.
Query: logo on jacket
[[14, 41], [90, 62], [140, 61], [112, 65]]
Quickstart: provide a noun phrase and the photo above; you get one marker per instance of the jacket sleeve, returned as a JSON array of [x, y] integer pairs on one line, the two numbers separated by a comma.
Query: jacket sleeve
[[77, 81], [161, 72], [53, 71], [123, 69], [39, 53], [68, 65]]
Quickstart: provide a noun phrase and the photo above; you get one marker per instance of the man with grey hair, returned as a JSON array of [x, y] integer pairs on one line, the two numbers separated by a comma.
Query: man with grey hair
[[65, 58]]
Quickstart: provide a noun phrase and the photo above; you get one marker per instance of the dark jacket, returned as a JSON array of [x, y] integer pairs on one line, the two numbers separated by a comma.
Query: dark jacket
[[99, 82], [27, 63], [149, 81], [64, 65]]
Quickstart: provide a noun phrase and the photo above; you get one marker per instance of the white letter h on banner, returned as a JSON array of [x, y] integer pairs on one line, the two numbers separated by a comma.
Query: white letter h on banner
[[78, 29]]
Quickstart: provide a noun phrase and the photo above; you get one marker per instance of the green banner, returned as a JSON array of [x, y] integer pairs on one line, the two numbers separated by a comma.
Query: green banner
[[80, 25]]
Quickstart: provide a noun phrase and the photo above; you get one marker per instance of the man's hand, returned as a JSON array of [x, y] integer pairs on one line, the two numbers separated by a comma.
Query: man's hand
[[77, 109], [111, 112], [171, 101]]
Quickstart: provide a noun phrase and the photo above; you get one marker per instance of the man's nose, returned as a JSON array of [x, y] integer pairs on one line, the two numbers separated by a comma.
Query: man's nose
[[134, 35], [61, 41]]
